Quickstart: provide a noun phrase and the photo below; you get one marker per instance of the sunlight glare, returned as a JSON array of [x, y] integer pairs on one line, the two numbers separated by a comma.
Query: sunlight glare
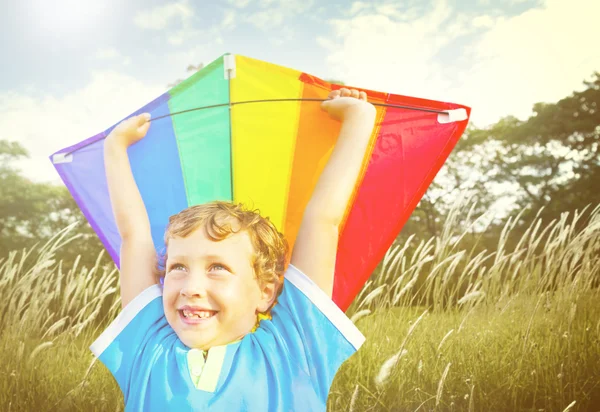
[[65, 16]]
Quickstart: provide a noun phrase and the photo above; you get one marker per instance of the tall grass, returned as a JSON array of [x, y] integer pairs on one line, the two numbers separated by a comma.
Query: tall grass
[[41, 297], [439, 273], [508, 330], [49, 314], [448, 327]]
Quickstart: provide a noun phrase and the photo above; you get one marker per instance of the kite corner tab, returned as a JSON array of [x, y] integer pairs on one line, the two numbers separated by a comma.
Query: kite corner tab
[[451, 116], [229, 66], [62, 158]]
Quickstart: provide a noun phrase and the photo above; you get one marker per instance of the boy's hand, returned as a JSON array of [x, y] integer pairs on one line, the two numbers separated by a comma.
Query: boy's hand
[[343, 103], [130, 130]]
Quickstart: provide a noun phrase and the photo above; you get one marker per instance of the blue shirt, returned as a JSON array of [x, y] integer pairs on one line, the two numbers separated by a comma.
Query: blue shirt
[[287, 364]]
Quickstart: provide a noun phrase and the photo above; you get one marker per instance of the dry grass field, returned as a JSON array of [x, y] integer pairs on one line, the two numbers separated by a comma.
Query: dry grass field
[[448, 328]]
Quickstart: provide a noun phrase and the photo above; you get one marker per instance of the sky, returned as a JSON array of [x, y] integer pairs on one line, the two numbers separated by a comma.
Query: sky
[[72, 68]]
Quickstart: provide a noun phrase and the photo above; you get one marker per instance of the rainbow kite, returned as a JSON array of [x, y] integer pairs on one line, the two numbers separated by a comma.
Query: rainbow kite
[[253, 132]]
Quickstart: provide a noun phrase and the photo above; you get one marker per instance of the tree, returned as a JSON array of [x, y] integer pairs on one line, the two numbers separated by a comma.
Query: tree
[[552, 157], [549, 163], [32, 212]]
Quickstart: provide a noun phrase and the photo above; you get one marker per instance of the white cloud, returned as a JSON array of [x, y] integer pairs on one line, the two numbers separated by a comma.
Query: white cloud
[[240, 4], [160, 17], [107, 54], [229, 20], [400, 11], [358, 6], [275, 13], [483, 21], [378, 52], [266, 19], [180, 36], [271, 15], [112, 54], [541, 55], [179, 60], [45, 124], [178, 17]]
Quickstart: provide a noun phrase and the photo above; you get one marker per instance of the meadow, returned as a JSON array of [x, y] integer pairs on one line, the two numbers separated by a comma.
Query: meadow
[[449, 327]]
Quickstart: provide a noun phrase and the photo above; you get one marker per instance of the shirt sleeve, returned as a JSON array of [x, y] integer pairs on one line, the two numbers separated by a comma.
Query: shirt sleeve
[[317, 334], [122, 345]]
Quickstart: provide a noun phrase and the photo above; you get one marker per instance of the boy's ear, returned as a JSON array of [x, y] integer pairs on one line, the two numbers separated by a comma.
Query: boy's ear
[[268, 292]]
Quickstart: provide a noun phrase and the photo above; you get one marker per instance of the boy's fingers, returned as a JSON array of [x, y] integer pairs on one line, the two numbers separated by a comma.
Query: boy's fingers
[[144, 128], [362, 96], [333, 94], [354, 93], [326, 104], [143, 118], [344, 92]]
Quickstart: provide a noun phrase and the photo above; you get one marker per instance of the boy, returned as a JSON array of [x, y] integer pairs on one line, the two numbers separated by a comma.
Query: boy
[[200, 346]]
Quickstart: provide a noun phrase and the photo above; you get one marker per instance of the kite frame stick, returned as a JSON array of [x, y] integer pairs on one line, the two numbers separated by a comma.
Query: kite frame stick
[[422, 109], [231, 104]]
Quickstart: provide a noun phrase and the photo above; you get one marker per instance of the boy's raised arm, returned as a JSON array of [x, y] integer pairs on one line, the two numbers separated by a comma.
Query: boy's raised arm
[[138, 256], [315, 248]]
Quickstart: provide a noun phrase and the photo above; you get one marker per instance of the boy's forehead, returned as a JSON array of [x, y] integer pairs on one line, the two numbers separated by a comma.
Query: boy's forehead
[[199, 244]]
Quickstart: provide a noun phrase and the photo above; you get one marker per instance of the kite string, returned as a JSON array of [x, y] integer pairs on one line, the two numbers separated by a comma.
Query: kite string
[[421, 109]]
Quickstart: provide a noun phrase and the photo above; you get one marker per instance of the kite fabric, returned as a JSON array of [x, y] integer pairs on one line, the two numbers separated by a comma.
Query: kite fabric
[[244, 147]]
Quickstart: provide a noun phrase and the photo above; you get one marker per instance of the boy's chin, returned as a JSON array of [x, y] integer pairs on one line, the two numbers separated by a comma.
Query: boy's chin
[[198, 340], [194, 337], [197, 344]]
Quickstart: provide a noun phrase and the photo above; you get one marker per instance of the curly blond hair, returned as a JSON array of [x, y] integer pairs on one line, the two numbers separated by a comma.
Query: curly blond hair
[[222, 219]]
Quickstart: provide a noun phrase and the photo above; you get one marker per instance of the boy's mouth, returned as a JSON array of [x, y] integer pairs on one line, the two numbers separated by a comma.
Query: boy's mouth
[[194, 315], [201, 314]]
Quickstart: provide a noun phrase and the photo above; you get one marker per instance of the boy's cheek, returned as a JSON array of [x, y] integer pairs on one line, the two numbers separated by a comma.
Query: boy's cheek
[[170, 293], [169, 283], [234, 294]]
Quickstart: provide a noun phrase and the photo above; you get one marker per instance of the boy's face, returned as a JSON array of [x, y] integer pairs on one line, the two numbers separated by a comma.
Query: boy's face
[[210, 293]]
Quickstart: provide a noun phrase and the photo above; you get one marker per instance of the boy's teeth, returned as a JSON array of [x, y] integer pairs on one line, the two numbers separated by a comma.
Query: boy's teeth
[[202, 314]]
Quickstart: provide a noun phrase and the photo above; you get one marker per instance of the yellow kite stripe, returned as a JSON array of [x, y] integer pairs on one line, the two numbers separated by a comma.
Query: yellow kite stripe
[[264, 135]]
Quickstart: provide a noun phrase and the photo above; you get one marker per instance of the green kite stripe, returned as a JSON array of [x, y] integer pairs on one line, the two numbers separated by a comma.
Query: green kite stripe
[[203, 136]]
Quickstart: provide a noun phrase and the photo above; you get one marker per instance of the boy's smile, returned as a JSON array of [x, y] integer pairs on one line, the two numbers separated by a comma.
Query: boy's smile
[[195, 314], [211, 295]]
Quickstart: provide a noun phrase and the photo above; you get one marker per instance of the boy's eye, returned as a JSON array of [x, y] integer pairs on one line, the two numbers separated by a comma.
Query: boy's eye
[[176, 266], [218, 267]]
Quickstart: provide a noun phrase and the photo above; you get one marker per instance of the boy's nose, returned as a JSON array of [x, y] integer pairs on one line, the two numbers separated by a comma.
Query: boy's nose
[[195, 287]]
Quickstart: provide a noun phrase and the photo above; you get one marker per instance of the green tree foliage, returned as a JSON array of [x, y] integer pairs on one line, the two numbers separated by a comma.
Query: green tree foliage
[[32, 212], [549, 162], [552, 157]]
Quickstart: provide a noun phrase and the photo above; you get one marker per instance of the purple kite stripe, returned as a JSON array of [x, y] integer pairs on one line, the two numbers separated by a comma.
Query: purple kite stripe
[[114, 254]]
